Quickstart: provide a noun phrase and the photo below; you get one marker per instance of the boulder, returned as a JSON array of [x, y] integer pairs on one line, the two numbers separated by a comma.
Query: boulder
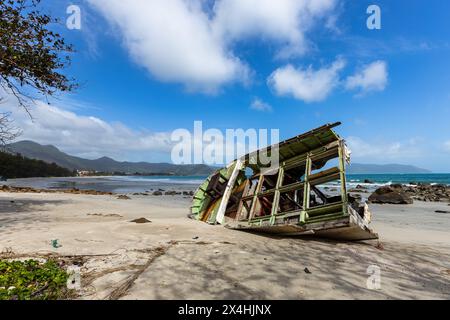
[[389, 194], [172, 193]]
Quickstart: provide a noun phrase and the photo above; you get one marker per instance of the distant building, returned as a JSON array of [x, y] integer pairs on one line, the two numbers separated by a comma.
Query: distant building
[[85, 173]]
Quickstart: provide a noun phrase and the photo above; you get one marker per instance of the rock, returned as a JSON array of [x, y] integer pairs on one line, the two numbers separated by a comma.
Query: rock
[[33, 190], [191, 193], [172, 193], [123, 197], [157, 193], [307, 271], [389, 194], [141, 220], [352, 197], [357, 190], [368, 181]]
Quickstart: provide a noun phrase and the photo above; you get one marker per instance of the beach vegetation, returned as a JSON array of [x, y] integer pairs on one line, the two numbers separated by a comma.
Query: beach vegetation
[[32, 280]]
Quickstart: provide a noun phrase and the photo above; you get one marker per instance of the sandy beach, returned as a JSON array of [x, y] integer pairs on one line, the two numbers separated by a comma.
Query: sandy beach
[[173, 257]]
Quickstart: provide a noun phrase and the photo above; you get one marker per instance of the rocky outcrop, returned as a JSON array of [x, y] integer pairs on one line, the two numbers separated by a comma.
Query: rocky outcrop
[[400, 194], [11, 189], [390, 194], [172, 193], [429, 193]]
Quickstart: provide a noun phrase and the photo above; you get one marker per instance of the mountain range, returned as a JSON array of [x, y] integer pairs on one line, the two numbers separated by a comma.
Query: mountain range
[[51, 154]]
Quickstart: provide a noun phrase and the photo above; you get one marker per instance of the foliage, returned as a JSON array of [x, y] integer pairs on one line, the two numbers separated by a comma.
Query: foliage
[[32, 55], [16, 166], [31, 280]]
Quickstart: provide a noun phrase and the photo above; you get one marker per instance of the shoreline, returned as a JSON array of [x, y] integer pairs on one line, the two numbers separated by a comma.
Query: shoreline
[[178, 258]]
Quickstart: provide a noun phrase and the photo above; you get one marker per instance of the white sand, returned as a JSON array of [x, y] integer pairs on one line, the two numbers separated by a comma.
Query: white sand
[[166, 262]]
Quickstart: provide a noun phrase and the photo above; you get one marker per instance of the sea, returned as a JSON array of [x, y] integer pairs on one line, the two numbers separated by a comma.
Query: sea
[[132, 184]]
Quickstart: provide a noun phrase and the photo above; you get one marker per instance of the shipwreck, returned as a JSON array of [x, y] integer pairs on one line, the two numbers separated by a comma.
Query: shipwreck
[[305, 193]]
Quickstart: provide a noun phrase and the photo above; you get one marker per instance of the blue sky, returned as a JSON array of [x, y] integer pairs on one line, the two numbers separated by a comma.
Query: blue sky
[[146, 70]]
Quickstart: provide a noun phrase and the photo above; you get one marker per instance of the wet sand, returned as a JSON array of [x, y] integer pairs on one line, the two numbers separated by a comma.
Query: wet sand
[[173, 257]]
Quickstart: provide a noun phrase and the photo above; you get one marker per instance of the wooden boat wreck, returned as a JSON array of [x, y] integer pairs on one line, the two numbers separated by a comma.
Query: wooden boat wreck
[[305, 193]]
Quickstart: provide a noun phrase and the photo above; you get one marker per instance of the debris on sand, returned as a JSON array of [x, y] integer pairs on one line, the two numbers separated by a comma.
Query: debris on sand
[[379, 245], [55, 244], [111, 215], [141, 220], [123, 197]]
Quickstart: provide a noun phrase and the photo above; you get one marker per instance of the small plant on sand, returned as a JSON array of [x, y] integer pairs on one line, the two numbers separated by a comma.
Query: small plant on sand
[[32, 280]]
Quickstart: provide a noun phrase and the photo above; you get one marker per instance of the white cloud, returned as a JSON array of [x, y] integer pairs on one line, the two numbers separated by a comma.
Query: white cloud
[[285, 21], [381, 151], [307, 84], [447, 146], [259, 105], [173, 41], [372, 77], [182, 41], [87, 136]]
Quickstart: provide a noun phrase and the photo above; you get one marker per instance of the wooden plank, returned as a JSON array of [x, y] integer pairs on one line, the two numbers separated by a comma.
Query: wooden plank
[[229, 188], [325, 179], [276, 197], [306, 191], [293, 186], [342, 176], [323, 173], [255, 197]]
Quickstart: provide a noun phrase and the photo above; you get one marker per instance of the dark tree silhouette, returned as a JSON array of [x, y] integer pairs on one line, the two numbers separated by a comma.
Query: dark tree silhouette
[[17, 166]]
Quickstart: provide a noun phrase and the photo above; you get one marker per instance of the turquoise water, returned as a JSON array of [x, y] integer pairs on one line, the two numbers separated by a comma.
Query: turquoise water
[[438, 178], [190, 183]]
